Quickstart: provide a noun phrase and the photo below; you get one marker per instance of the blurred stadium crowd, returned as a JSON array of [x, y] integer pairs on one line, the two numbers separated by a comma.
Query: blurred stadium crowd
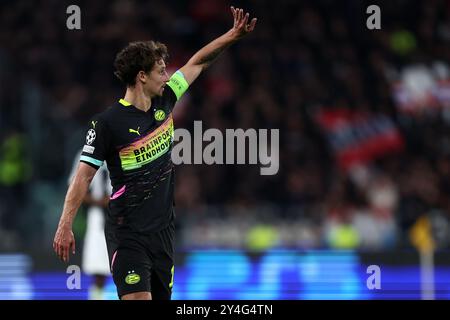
[[364, 117]]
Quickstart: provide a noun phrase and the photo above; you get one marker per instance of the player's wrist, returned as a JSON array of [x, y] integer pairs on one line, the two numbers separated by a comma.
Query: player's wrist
[[233, 35], [65, 224]]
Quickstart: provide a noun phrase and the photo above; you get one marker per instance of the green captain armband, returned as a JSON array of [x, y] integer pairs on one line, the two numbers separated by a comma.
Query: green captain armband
[[178, 84]]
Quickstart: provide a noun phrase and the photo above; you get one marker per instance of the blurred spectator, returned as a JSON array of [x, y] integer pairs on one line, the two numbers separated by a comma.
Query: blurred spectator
[[15, 172]]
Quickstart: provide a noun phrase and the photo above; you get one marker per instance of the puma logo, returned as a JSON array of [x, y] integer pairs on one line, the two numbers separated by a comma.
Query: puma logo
[[134, 131]]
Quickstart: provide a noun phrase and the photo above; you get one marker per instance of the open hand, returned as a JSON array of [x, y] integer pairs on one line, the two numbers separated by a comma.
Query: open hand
[[241, 26]]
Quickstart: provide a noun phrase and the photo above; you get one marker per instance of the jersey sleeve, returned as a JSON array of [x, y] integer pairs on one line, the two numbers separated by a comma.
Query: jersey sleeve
[[178, 84], [96, 144]]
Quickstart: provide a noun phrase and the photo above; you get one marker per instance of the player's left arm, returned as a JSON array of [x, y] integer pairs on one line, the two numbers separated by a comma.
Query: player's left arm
[[206, 55]]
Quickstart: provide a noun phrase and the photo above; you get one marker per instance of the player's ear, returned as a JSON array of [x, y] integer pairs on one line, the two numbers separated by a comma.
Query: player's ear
[[141, 76]]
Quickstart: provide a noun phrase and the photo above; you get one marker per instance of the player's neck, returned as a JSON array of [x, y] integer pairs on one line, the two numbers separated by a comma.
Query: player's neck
[[138, 99]]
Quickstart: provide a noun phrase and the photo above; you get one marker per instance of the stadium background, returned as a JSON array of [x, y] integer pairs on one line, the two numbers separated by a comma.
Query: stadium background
[[364, 163]]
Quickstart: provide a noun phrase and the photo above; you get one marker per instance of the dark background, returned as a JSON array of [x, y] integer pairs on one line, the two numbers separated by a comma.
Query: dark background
[[305, 58]]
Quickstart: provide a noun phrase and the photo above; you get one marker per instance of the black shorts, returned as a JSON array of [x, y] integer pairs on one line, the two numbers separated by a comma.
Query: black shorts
[[142, 262]]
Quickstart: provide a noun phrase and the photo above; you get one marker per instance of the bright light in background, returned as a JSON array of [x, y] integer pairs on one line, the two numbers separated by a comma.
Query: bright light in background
[[14, 281], [238, 275]]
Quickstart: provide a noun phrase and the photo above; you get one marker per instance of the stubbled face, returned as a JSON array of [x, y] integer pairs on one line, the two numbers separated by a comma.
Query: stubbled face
[[156, 79]]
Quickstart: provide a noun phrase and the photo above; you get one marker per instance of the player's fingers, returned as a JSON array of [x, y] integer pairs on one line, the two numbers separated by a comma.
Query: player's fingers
[[244, 22], [73, 246], [56, 246], [58, 251], [252, 25], [65, 253], [234, 17]]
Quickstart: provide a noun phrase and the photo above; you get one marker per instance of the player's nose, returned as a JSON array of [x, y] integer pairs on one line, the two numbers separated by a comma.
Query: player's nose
[[166, 77]]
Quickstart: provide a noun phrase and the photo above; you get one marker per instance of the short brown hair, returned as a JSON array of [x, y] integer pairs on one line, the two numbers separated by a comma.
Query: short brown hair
[[137, 56]]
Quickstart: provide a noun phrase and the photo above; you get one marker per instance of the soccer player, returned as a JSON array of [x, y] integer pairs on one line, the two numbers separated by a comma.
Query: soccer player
[[135, 136]]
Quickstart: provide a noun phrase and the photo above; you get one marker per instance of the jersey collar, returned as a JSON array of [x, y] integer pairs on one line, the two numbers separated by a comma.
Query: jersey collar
[[124, 102]]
